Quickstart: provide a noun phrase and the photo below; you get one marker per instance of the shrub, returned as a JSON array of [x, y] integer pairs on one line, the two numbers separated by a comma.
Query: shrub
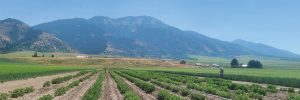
[[224, 94], [241, 97], [255, 96], [164, 95], [131, 96], [46, 97], [4, 96], [197, 96], [272, 89], [185, 92], [291, 90], [47, 84], [61, 79], [60, 91], [20, 92]]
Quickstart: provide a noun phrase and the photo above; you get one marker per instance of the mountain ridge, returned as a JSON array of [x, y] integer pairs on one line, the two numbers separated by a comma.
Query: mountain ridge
[[265, 49], [133, 36], [16, 35], [144, 35]]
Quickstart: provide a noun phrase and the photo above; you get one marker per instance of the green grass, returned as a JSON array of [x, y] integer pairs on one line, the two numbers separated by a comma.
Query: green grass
[[268, 62], [282, 73], [14, 70]]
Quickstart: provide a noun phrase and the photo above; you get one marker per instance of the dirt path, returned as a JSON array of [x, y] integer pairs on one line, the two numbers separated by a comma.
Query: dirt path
[[35, 82], [77, 92], [47, 90], [137, 90], [109, 89]]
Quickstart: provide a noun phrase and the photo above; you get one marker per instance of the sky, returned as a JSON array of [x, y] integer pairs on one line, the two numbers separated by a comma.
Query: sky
[[272, 22]]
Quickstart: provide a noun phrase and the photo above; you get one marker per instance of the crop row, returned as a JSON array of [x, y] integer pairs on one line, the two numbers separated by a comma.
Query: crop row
[[165, 95], [216, 86], [147, 87], [223, 87], [65, 78], [23, 75], [290, 82], [123, 88], [163, 81], [62, 90], [16, 93], [94, 91]]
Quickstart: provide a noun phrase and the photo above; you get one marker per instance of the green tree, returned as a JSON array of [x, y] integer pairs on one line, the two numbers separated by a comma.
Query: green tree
[[234, 63], [255, 64], [182, 62], [35, 54], [52, 55]]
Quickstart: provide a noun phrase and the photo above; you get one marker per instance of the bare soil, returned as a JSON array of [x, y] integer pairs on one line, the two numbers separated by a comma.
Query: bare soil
[[109, 89], [47, 90], [137, 90], [35, 82], [78, 92], [276, 96]]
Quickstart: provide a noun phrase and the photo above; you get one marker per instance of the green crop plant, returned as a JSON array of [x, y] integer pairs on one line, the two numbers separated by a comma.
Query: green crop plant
[[94, 91], [197, 96], [47, 84], [46, 97], [165, 95], [21, 92]]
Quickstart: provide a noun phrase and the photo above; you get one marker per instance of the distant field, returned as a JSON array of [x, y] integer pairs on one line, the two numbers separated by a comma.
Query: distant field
[[13, 70], [268, 62], [284, 73]]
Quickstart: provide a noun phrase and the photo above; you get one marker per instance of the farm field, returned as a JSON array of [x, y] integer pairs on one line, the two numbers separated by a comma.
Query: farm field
[[127, 84], [13, 70], [139, 79]]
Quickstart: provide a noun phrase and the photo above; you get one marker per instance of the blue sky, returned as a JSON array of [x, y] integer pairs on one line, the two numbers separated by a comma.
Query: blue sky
[[272, 22]]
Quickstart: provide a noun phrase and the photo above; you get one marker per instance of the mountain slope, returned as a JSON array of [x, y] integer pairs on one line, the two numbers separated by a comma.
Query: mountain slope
[[265, 49], [16, 35], [136, 36], [139, 36]]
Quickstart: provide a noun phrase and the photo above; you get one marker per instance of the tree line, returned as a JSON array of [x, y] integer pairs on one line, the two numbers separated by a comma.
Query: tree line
[[251, 64], [36, 55]]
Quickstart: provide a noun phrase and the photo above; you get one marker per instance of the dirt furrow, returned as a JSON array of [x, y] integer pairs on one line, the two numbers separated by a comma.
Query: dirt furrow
[[137, 90], [35, 82], [47, 90], [110, 90], [77, 92]]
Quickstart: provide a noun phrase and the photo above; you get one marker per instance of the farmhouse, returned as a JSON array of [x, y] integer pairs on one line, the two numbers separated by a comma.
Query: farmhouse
[[82, 57], [244, 65], [200, 64], [215, 65]]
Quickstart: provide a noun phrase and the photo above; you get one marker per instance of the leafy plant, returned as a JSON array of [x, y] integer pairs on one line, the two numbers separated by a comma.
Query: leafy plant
[[46, 97], [185, 92], [291, 90], [164, 95], [197, 96], [47, 84], [129, 95], [94, 91], [4, 96], [21, 92]]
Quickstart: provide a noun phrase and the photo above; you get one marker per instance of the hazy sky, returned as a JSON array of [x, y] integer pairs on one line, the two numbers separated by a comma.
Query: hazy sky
[[272, 22]]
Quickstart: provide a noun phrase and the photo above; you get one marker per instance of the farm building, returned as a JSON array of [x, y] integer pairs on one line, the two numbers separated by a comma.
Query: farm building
[[83, 57]]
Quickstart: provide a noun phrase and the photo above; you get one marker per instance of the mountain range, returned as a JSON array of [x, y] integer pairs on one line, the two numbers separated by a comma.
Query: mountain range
[[133, 36], [16, 35]]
